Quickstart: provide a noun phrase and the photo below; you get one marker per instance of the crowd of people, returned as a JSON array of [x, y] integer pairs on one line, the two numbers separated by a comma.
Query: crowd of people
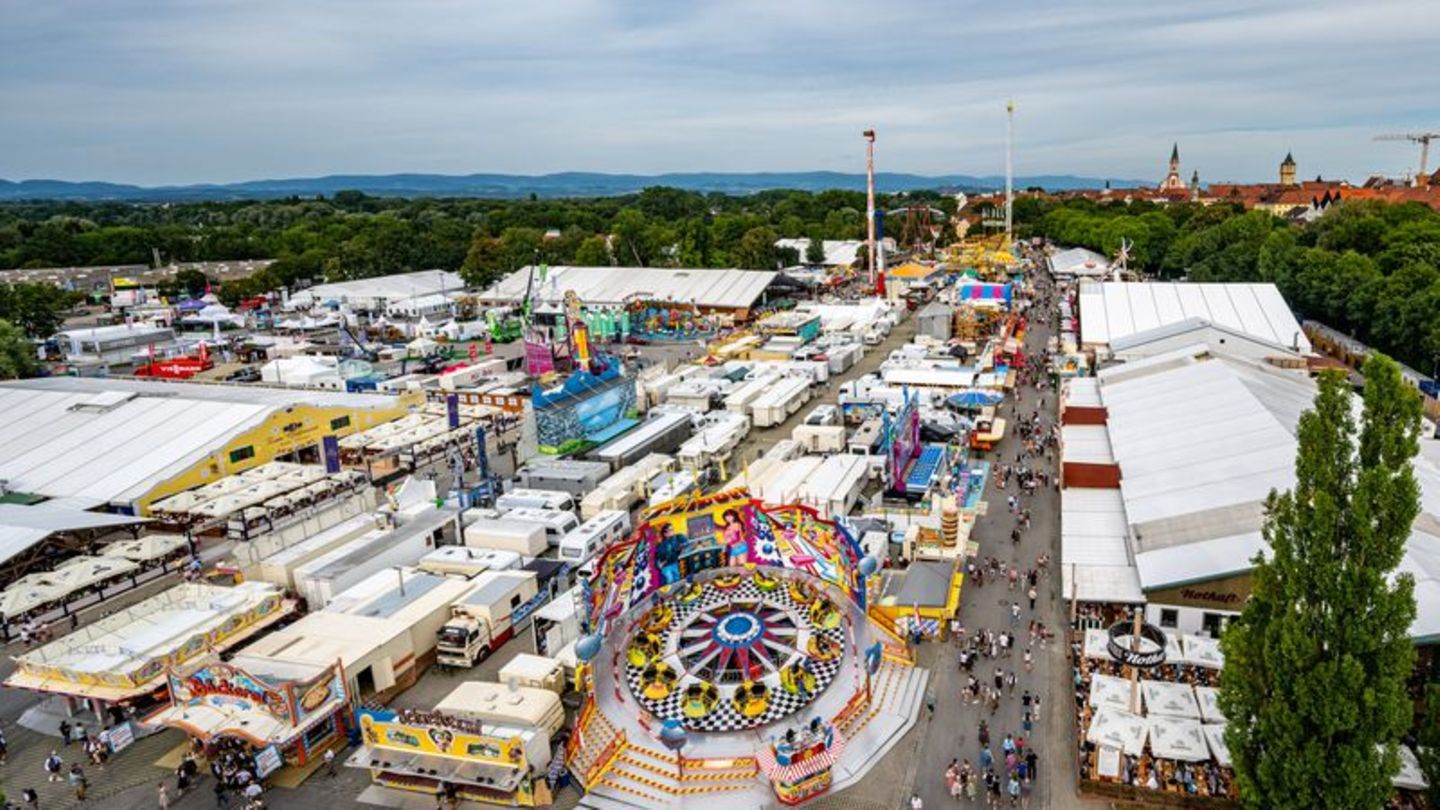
[[997, 663]]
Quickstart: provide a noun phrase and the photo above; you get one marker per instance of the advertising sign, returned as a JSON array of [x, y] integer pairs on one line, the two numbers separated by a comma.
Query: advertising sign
[[119, 738], [452, 410], [330, 447], [268, 761], [452, 739]]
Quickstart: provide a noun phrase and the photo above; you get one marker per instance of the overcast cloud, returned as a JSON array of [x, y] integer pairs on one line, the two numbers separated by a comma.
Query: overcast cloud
[[184, 91]]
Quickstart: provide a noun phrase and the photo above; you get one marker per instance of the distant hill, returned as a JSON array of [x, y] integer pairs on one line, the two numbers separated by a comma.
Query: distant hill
[[563, 184]]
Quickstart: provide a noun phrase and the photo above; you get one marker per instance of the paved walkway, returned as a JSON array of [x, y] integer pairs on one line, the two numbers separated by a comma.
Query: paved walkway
[[952, 732]]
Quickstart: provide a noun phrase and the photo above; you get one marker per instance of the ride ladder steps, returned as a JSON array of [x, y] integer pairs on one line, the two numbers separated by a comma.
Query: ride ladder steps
[[662, 767], [623, 782]]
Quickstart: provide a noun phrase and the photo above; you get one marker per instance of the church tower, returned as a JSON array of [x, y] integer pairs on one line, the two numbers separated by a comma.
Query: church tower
[[1287, 171], [1172, 180], [1195, 186]]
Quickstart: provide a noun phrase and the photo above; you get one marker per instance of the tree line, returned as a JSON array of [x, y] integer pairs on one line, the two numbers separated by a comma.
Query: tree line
[[1367, 268], [351, 235]]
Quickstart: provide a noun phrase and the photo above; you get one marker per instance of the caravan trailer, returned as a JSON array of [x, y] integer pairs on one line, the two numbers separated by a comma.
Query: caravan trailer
[[783, 399], [557, 523], [535, 499], [593, 536]]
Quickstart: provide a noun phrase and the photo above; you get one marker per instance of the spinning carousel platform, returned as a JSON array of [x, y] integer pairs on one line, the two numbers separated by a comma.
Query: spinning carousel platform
[[695, 658]]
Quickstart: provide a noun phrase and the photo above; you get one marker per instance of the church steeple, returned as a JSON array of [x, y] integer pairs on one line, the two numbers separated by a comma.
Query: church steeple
[[1172, 181], [1195, 185]]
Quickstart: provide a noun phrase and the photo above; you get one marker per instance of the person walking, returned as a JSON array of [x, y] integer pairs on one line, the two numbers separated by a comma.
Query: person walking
[[78, 782], [330, 762], [1029, 660], [930, 703], [65, 732], [31, 797], [1032, 594], [4, 747], [163, 796], [1014, 613], [53, 764]]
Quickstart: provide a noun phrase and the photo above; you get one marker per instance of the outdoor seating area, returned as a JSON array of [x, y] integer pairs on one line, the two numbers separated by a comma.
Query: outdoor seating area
[[1158, 730]]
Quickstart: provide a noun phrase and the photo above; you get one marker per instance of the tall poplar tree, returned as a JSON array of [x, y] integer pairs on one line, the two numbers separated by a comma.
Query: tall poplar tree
[[1315, 668]]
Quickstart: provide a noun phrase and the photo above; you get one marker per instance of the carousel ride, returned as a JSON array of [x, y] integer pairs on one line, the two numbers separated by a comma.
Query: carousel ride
[[735, 650], [726, 628]]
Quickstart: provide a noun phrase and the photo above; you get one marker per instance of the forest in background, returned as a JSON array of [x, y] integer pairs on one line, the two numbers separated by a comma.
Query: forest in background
[[1370, 269]]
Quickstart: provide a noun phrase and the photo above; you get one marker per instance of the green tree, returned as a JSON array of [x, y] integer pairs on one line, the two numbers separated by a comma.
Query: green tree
[[757, 250], [1316, 665], [484, 261], [38, 309], [592, 253], [1428, 739], [815, 250], [17, 354]]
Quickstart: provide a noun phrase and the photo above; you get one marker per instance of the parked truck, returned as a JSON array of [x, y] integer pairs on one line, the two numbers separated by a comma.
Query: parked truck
[[486, 618]]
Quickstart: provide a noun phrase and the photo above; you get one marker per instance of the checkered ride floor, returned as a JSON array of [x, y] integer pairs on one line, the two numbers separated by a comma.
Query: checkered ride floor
[[727, 632]]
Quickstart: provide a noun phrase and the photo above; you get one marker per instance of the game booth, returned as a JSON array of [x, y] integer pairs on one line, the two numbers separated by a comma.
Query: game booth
[[285, 718], [738, 637]]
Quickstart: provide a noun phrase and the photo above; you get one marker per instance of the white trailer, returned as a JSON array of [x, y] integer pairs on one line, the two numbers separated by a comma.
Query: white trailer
[[785, 486], [782, 400], [326, 576], [525, 539], [742, 396], [594, 536], [668, 486], [625, 488], [468, 376], [279, 568], [535, 499], [843, 356], [699, 395], [467, 562], [835, 486], [820, 438], [556, 523], [722, 433]]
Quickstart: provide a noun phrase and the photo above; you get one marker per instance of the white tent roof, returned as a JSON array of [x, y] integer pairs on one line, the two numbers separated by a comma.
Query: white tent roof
[[1175, 738], [1215, 739], [1094, 549], [1108, 691], [1118, 729], [1409, 777], [370, 291], [1209, 699], [1112, 309], [613, 286], [148, 547], [23, 526], [112, 440], [1169, 699], [1202, 651], [1079, 262], [72, 575], [1193, 439]]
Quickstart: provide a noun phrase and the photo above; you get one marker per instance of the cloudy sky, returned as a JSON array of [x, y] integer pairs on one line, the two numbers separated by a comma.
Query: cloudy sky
[[182, 91]]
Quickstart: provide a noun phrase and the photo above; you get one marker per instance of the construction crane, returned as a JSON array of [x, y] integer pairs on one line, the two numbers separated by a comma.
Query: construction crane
[[1422, 138]]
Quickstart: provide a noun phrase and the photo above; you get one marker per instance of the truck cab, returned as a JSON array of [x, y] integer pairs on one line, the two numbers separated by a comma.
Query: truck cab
[[485, 618]]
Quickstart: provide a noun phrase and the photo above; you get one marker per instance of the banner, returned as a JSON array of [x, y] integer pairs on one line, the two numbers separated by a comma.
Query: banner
[[448, 740], [330, 448]]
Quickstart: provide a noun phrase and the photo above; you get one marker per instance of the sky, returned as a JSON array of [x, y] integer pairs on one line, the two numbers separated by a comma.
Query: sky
[[187, 91]]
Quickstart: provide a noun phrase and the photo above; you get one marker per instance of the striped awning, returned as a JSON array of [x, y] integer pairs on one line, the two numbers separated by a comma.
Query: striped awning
[[776, 772]]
